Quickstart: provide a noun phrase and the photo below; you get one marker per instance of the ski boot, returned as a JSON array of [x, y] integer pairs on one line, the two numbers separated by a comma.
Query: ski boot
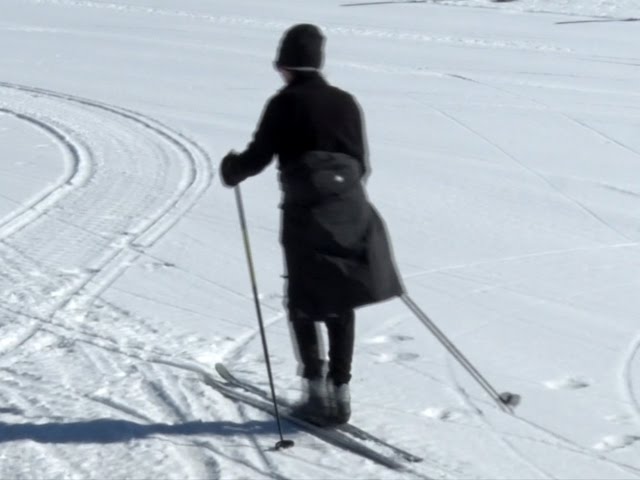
[[316, 407], [341, 399]]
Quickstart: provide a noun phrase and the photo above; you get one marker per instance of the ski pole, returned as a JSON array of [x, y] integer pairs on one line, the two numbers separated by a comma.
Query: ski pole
[[506, 400], [243, 224]]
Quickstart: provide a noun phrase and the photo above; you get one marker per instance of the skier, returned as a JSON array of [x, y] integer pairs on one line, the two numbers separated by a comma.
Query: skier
[[335, 245]]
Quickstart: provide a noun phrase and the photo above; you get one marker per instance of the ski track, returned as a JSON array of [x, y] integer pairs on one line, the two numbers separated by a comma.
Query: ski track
[[199, 173], [269, 465], [439, 465], [125, 241], [560, 442], [509, 446], [551, 439], [162, 394], [565, 115], [534, 172], [548, 108], [350, 31], [15, 340], [235, 349], [626, 372], [197, 369], [77, 173], [176, 406], [50, 288], [514, 258]]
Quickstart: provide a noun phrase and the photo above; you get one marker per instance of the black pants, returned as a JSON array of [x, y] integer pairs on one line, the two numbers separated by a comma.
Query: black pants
[[341, 335]]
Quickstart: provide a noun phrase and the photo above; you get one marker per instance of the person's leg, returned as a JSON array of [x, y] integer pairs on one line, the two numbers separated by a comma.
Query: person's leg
[[315, 406], [307, 344], [341, 333]]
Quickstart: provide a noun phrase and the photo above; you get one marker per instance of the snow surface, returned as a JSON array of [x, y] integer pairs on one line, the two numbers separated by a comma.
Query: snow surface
[[506, 157]]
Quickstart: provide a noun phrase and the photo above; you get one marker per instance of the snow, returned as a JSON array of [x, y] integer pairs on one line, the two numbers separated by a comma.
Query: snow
[[505, 155]]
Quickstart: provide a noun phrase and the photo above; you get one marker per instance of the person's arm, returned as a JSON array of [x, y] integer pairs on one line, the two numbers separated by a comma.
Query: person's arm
[[360, 150], [236, 167]]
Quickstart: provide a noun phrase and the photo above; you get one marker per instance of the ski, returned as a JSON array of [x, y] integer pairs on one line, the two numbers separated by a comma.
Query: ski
[[333, 437], [347, 428]]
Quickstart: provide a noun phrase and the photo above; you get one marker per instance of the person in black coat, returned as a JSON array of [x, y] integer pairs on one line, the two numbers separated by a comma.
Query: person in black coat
[[335, 245]]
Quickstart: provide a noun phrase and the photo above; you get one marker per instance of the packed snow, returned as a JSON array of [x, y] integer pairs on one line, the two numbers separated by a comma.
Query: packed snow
[[505, 154]]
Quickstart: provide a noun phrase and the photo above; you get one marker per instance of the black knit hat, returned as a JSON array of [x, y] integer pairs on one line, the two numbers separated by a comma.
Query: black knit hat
[[301, 48]]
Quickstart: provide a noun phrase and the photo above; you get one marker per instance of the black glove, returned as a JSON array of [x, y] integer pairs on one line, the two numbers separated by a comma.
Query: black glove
[[229, 170]]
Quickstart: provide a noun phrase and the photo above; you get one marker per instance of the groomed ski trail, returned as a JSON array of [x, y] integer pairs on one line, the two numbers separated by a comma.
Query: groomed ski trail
[[135, 193], [126, 180]]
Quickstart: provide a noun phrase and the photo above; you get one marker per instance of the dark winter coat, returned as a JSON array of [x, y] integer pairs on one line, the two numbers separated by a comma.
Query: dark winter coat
[[307, 114], [335, 244], [336, 248]]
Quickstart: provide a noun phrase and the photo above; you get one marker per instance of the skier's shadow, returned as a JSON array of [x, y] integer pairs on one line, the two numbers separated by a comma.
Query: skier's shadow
[[114, 431]]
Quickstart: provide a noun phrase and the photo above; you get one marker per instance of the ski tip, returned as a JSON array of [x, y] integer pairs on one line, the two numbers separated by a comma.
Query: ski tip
[[221, 368]]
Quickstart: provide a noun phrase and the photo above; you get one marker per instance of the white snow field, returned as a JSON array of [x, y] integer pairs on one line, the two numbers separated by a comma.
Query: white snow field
[[505, 148]]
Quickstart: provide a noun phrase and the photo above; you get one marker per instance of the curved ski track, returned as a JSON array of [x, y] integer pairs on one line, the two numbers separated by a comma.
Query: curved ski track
[[77, 173], [109, 219], [127, 179]]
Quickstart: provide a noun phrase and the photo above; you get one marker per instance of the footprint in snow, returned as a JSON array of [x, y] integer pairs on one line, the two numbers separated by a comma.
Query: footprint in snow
[[388, 339], [619, 418], [615, 442], [568, 383], [394, 357], [155, 266], [444, 414], [269, 296]]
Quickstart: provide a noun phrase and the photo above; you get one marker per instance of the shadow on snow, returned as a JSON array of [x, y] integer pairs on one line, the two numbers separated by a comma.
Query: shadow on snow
[[114, 431]]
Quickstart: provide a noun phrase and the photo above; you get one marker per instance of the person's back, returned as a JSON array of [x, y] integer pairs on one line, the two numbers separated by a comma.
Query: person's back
[[316, 116]]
